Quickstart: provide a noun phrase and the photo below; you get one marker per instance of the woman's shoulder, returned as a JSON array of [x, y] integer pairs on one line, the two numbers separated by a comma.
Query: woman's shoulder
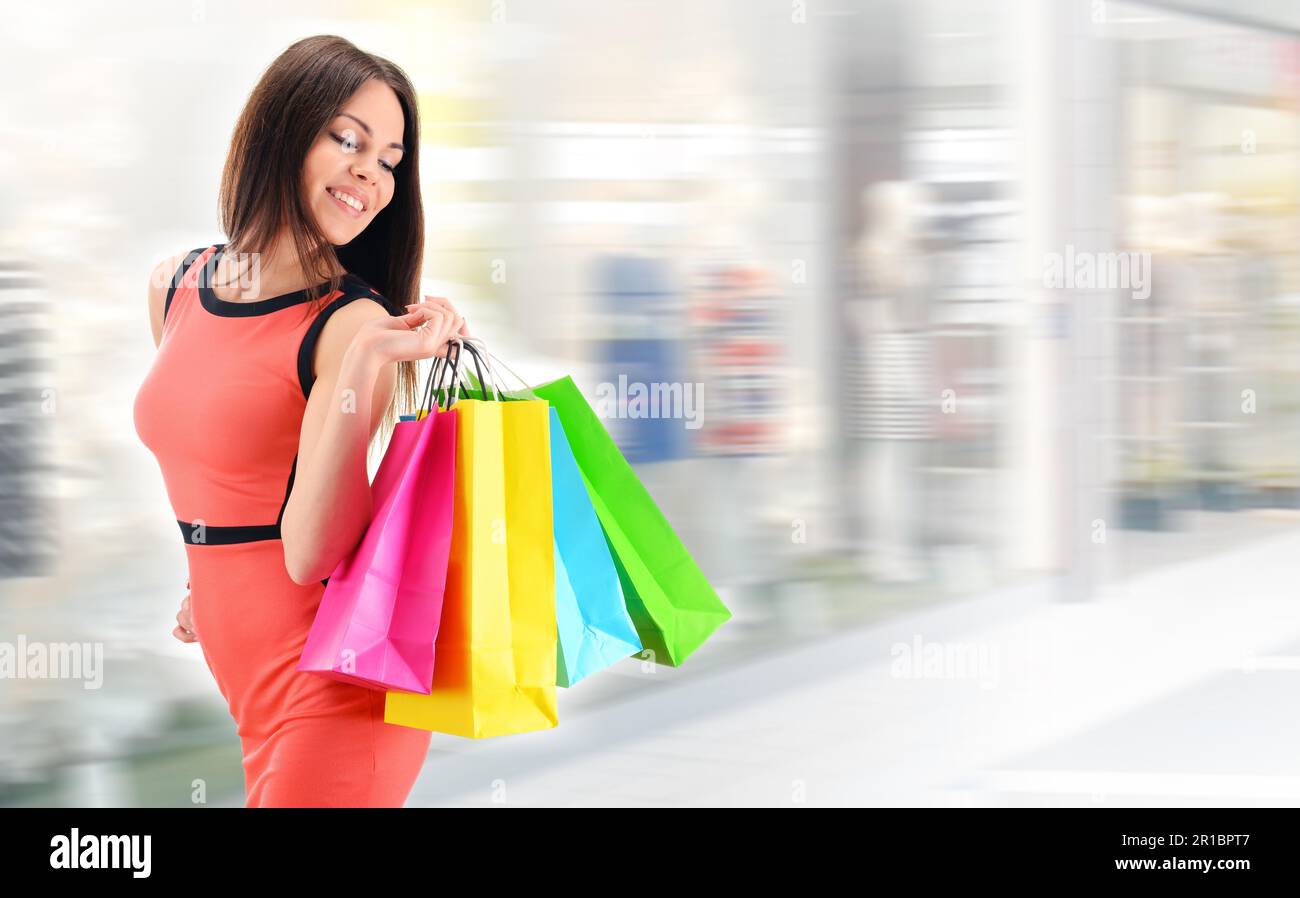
[[357, 302], [168, 271], [163, 280], [355, 287], [335, 326]]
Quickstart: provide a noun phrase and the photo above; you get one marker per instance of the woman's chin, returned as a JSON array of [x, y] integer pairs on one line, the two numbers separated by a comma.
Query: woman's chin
[[338, 237]]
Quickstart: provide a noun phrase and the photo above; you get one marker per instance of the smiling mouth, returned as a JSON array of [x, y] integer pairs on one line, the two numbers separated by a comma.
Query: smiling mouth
[[346, 203]]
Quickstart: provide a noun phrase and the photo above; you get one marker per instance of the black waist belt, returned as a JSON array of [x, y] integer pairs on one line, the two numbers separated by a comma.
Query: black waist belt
[[209, 535]]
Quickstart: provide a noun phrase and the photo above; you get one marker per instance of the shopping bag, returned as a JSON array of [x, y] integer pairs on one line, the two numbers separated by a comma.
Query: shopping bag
[[594, 627], [496, 645], [377, 622], [672, 605], [670, 601]]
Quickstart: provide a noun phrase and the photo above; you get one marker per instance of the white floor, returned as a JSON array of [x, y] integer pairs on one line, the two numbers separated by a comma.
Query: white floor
[[1178, 687]]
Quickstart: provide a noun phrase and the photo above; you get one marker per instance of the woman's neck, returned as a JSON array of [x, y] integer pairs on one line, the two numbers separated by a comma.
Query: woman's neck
[[270, 272]]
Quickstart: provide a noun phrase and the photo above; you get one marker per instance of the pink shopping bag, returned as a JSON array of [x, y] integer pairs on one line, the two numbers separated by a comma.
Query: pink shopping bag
[[378, 617]]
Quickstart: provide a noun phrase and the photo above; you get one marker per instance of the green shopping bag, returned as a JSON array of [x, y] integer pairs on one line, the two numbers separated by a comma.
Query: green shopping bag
[[671, 603]]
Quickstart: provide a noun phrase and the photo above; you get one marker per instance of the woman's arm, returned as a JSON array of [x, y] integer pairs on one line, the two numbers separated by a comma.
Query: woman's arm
[[329, 507]]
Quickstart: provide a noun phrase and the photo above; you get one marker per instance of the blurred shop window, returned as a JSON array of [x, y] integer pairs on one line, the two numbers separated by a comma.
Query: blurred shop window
[[736, 320], [640, 351], [1208, 410]]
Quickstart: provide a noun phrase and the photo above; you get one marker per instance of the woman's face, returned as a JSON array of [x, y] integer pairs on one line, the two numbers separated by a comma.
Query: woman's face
[[355, 156]]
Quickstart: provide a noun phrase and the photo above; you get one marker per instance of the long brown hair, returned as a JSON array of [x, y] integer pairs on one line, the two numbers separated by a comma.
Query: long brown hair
[[261, 185]]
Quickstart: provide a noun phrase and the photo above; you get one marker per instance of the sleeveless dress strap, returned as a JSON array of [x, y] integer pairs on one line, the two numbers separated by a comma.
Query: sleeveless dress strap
[[179, 277], [353, 289]]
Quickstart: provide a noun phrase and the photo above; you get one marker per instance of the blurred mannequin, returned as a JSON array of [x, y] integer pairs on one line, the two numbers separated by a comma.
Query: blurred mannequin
[[893, 397]]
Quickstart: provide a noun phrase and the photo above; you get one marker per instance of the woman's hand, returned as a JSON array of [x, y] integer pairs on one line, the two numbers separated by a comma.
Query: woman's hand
[[184, 630], [445, 303], [421, 333]]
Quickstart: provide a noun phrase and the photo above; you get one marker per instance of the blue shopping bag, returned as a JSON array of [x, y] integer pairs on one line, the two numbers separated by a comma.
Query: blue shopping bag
[[592, 621]]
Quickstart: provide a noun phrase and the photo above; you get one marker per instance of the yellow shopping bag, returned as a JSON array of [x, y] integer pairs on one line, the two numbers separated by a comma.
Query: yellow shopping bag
[[495, 657]]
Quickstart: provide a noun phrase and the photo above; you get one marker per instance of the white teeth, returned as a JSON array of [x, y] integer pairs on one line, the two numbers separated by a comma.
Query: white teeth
[[350, 200]]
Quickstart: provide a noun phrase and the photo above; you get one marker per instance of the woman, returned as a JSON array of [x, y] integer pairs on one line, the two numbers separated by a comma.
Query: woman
[[279, 354]]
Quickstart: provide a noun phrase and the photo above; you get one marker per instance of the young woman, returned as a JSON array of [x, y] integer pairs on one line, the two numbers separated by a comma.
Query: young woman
[[280, 353]]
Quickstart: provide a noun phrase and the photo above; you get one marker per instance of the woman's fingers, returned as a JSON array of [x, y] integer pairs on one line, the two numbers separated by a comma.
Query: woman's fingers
[[421, 313], [440, 341], [439, 327], [433, 335], [436, 324], [443, 302], [184, 630], [426, 315], [454, 325]]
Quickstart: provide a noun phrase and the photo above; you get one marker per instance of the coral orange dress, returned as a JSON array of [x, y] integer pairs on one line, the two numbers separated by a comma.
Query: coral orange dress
[[221, 409]]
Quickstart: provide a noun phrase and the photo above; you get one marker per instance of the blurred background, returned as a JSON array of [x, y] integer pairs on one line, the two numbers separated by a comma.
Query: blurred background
[[991, 315]]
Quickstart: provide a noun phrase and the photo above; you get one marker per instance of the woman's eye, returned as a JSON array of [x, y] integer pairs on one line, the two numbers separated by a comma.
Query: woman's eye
[[350, 145]]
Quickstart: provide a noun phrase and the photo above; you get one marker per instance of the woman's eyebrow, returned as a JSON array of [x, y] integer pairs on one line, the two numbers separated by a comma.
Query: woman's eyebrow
[[366, 128]]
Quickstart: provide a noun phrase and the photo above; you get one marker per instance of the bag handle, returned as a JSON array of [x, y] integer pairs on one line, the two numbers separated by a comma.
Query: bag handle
[[480, 361], [450, 362], [476, 344]]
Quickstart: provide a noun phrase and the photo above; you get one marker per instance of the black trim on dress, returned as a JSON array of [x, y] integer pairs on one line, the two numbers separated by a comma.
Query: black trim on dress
[[355, 289], [228, 309], [179, 277]]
